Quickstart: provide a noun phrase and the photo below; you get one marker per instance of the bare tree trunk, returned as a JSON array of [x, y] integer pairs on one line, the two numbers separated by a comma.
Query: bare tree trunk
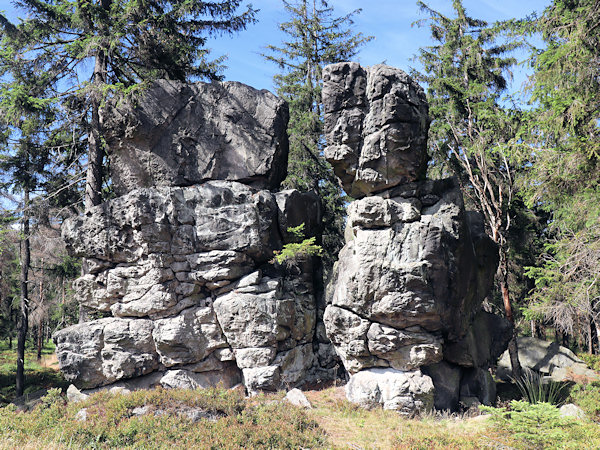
[[23, 318], [40, 340], [93, 183], [513, 349]]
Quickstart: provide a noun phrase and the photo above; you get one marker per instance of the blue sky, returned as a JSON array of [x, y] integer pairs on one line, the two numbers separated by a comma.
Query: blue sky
[[389, 21]]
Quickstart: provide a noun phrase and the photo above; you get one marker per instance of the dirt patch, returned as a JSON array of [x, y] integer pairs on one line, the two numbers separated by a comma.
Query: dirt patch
[[49, 361]]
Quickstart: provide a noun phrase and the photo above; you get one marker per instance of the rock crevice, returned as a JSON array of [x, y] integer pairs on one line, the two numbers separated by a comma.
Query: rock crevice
[[405, 297]]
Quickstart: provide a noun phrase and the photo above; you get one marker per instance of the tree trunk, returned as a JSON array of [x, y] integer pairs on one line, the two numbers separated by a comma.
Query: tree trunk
[[93, 183], [22, 323], [513, 349], [40, 340]]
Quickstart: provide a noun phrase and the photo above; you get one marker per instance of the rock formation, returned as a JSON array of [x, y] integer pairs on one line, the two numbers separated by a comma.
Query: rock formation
[[404, 303], [178, 288], [177, 268]]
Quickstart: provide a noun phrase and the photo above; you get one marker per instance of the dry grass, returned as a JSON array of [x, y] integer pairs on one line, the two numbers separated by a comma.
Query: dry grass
[[348, 426]]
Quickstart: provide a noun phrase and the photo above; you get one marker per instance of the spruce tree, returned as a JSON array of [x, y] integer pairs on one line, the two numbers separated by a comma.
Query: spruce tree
[[315, 38], [563, 133], [470, 131], [128, 41], [27, 123]]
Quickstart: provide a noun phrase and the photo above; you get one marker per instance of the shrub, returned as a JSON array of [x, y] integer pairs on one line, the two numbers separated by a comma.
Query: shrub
[[592, 361], [541, 426]]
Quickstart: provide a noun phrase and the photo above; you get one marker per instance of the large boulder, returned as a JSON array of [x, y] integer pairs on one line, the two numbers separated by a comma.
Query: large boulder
[[549, 359], [185, 273], [179, 134], [376, 122], [408, 392]]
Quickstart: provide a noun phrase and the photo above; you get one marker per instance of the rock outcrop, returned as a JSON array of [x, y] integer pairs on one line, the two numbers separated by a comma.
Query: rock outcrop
[[376, 127], [180, 134], [404, 302], [179, 267], [178, 288]]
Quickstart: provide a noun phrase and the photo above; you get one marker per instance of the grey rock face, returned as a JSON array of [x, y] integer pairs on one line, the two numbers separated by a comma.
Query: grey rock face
[[407, 289], [410, 281], [178, 134], [483, 344], [185, 272], [446, 379], [407, 392], [376, 126], [547, 358], [101, 352]]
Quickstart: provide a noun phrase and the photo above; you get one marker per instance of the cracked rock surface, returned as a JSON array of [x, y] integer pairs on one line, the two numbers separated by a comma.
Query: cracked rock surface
[[404, 301], [178, 265]]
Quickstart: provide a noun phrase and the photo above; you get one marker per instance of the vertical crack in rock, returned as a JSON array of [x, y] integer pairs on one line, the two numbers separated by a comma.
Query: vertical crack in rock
[[180, 259], [404, 301]]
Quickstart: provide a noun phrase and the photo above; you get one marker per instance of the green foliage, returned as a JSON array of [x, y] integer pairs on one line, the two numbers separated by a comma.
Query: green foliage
[[592, 361], [563, 135], [587, 397], [541, 426], [294, 252], [535, 389], [232, 422], [316, 38]]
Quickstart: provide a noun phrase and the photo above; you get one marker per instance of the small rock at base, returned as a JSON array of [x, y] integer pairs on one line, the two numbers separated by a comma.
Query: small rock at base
[[74, 395], [81, 415], [571, 410], [297, 398]]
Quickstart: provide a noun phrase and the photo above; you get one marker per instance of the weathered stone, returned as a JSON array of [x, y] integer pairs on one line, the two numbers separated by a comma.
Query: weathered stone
[[446, 379], [246, 358], [216, 215], [185, 379], [478, 383], [574, 411], [483, 344], [297, 398], [538, 355], [250, 320], [74, 395], [376, 122], [423, 272], [144, 382], [178, 134], [261, 379], [404, 349], [97, 353], [188, 337], [579, 373], [407, 392], [81, 415]]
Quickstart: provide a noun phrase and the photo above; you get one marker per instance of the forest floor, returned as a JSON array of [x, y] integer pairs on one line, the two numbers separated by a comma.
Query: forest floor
[[217, 418]]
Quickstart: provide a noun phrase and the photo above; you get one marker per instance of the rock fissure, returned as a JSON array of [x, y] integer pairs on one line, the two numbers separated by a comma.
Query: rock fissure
[[181, 258]]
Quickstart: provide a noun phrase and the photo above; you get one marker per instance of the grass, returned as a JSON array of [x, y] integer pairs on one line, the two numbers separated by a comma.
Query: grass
[[233, 421], [38, 375]]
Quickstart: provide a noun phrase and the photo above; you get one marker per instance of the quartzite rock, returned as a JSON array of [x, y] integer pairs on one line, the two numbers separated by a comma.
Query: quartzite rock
[[189, 266], [406, 392], [179, 134], [416, 266], [376, 122]]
